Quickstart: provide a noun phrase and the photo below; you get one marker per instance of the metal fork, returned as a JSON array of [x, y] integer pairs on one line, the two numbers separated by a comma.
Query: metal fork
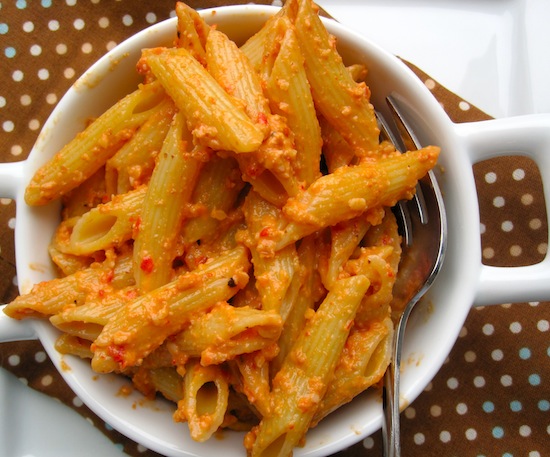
[[423, 226]]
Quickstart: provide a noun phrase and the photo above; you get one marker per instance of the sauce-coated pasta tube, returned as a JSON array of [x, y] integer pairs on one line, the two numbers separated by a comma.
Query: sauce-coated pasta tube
[[217, 121], [90, 149], [303, 379], [142, 325]]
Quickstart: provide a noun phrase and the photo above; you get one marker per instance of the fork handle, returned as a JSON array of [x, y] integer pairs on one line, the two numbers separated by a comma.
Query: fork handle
[[390, 403]]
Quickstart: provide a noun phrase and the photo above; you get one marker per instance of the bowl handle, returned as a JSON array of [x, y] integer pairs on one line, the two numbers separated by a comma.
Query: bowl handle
[[15, 330], [11, 184], [527, 136]]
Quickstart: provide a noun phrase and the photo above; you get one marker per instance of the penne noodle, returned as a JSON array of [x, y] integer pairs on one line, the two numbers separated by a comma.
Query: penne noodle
[[133, 163], [301, 382], [342, 101], [205, 400], [91, 149], [217, 120], [108, 225], [164, 207], [142, 325]]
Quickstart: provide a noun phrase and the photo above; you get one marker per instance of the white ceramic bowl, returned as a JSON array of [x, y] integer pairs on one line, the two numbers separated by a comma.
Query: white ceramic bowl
[[433, 327]]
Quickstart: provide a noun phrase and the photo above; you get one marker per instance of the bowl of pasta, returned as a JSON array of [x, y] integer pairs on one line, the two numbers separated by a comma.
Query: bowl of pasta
[[217, 250]]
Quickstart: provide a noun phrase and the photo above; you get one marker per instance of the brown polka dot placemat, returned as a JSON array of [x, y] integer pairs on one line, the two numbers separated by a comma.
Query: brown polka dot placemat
[[491, 397]]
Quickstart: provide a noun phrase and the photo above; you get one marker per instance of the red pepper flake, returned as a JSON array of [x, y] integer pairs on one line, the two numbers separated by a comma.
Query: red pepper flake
[[262, 118], [147, 264], [264, 232], [117, 353]]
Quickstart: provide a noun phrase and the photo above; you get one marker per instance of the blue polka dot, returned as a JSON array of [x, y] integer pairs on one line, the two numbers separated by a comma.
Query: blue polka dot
[[544, 405], [9, 52], [3, 28], [21, 4], [498, 432], [515, 406], [525, 353], [46, 3], [534, 379], [488, 406]]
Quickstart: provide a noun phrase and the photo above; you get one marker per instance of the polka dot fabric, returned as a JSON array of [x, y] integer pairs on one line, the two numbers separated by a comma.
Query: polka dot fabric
[[491, 397]]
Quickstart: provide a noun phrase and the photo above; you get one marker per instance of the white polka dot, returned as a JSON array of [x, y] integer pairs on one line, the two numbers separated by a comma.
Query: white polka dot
[[142, 449], [506, 305], [103, 22], [515, 327], [452, 383], [28, 27], [527, 199], [110, 45], [507, 226], [518, 174], [51, 99], [69, 73], [542, 248], [525, 431], [506, 380], [498, 202], [40, 356], [151, 18], [2, 102], [482, 228], [410, 413], [87, 48], [463, 332], [8, 126], [497, 355], [71, 2], [543, 325], [428, 387], [34, 124], [419, 438], [127, 20], [488, 329], [43, 74], [461, 408], [25, 100], [535, 224], [46, 380], [17, 75], [61, 49], [16, 150], [471, 434], [534, 303], [11, 223], [24, 381], [53, 25], [79, 24], [35, 50], [430, 83], [445, 436], [534, 454], [5, 201], [488, 253], [470, 356], [479, 381], [491, 177], [435, 410], [368, 443], [515, 250], [77, 402], [14, 360], [464, 106]]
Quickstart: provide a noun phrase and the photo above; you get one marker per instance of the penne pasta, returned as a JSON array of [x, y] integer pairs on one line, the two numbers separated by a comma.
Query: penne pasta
[[227, 235], [164, 207], [301, 382], [91, 149], [217, 120]]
